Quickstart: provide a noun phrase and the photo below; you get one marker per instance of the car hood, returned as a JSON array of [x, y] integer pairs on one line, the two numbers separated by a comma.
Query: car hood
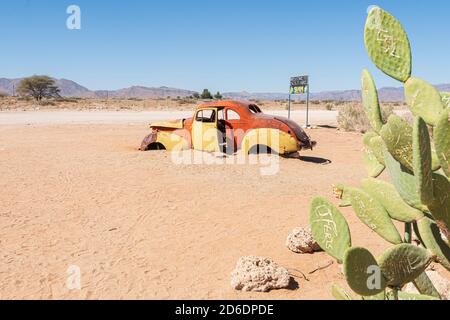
[[173, 124]]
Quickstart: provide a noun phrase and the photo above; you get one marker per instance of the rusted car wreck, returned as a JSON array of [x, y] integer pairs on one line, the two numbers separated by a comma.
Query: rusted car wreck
[[228, 126]]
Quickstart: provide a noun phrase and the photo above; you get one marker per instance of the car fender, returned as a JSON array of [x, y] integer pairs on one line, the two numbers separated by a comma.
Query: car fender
[[279, 141], [171, 140]]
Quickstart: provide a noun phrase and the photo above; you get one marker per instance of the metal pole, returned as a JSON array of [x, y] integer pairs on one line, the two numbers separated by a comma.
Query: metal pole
[[289, 108], [307, 107]]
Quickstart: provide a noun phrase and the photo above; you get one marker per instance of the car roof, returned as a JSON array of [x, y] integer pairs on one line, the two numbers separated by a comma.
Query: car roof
[[239, 105]]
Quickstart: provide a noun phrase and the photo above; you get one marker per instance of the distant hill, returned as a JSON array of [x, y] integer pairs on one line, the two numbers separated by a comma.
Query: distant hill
[[386, 94], [145, 92], [72, 89]]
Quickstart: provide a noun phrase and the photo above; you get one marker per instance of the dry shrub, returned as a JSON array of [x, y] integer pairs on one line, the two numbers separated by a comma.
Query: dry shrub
[[46, 103], [67, 100], [408, 117], [352, 117], [183, 101], [329, 106]]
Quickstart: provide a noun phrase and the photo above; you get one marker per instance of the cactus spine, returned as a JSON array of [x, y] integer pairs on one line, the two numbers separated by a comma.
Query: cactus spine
[[417, 195]]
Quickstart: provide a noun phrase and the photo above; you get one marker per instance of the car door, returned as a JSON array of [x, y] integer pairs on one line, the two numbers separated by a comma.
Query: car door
[[204, 130], [237, 123]]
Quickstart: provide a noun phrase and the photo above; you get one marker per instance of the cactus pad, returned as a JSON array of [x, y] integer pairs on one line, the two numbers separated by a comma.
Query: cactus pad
[[389, 198], [424, 285], [404, 296], [430, 236], [329, 228], [373, 167], [397, 136], [440, 208], [404, 182], [339, 192], [359, 268], [422, 161], [387, 44], [442, 141], [370, 101], [373, 215], [446, 99], [377, 146], [340, 294], [404, 263], [424, 100]]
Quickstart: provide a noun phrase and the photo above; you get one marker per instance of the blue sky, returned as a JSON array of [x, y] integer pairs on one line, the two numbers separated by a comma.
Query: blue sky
[[222, 45]]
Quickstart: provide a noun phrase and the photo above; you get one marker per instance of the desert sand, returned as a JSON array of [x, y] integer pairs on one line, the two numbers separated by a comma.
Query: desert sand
[[140, 226]]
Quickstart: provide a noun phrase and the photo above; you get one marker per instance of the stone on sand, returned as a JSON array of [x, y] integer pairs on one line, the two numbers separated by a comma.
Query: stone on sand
[[302, 241], [259, 274]]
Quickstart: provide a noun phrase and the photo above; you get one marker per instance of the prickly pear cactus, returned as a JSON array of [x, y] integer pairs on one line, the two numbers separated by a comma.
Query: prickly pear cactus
[[360, 268], [424, 285], [397, 136], [389, 198], [340, 294], [404, 263], [430, 236], [377, 146], [446, 99], [370, 101], [373, 166], [329, 228], [422, 161], [404, 181], [373, 215], [424, 100], [417, 195], [339, 192], [442, 140], [404, 296], [387, 44], [440, 208]]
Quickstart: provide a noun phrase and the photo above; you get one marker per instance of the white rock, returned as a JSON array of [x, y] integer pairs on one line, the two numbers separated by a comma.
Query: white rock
[[302, 241], [259, 274]]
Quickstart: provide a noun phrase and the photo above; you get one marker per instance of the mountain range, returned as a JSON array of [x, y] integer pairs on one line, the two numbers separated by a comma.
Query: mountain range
[[72, 89]]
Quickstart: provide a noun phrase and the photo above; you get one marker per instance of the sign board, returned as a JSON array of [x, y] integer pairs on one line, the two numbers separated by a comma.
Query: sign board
[[299, 85]]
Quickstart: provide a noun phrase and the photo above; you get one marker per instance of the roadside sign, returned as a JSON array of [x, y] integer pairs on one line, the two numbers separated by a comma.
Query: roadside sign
[[300, 85], [301, 81]]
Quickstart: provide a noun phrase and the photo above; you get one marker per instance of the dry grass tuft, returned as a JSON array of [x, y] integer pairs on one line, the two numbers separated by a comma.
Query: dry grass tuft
[[352, 117]]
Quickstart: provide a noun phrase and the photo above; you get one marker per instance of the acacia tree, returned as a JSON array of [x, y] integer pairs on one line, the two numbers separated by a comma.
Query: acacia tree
[[38, 87]]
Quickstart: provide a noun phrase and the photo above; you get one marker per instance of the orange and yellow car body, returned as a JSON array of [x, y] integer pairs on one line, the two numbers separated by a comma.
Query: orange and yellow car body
[[231, 125]]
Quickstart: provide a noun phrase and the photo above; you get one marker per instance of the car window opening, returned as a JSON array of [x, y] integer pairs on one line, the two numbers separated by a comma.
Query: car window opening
[[206, 116], [254, 108], [232, 115]]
